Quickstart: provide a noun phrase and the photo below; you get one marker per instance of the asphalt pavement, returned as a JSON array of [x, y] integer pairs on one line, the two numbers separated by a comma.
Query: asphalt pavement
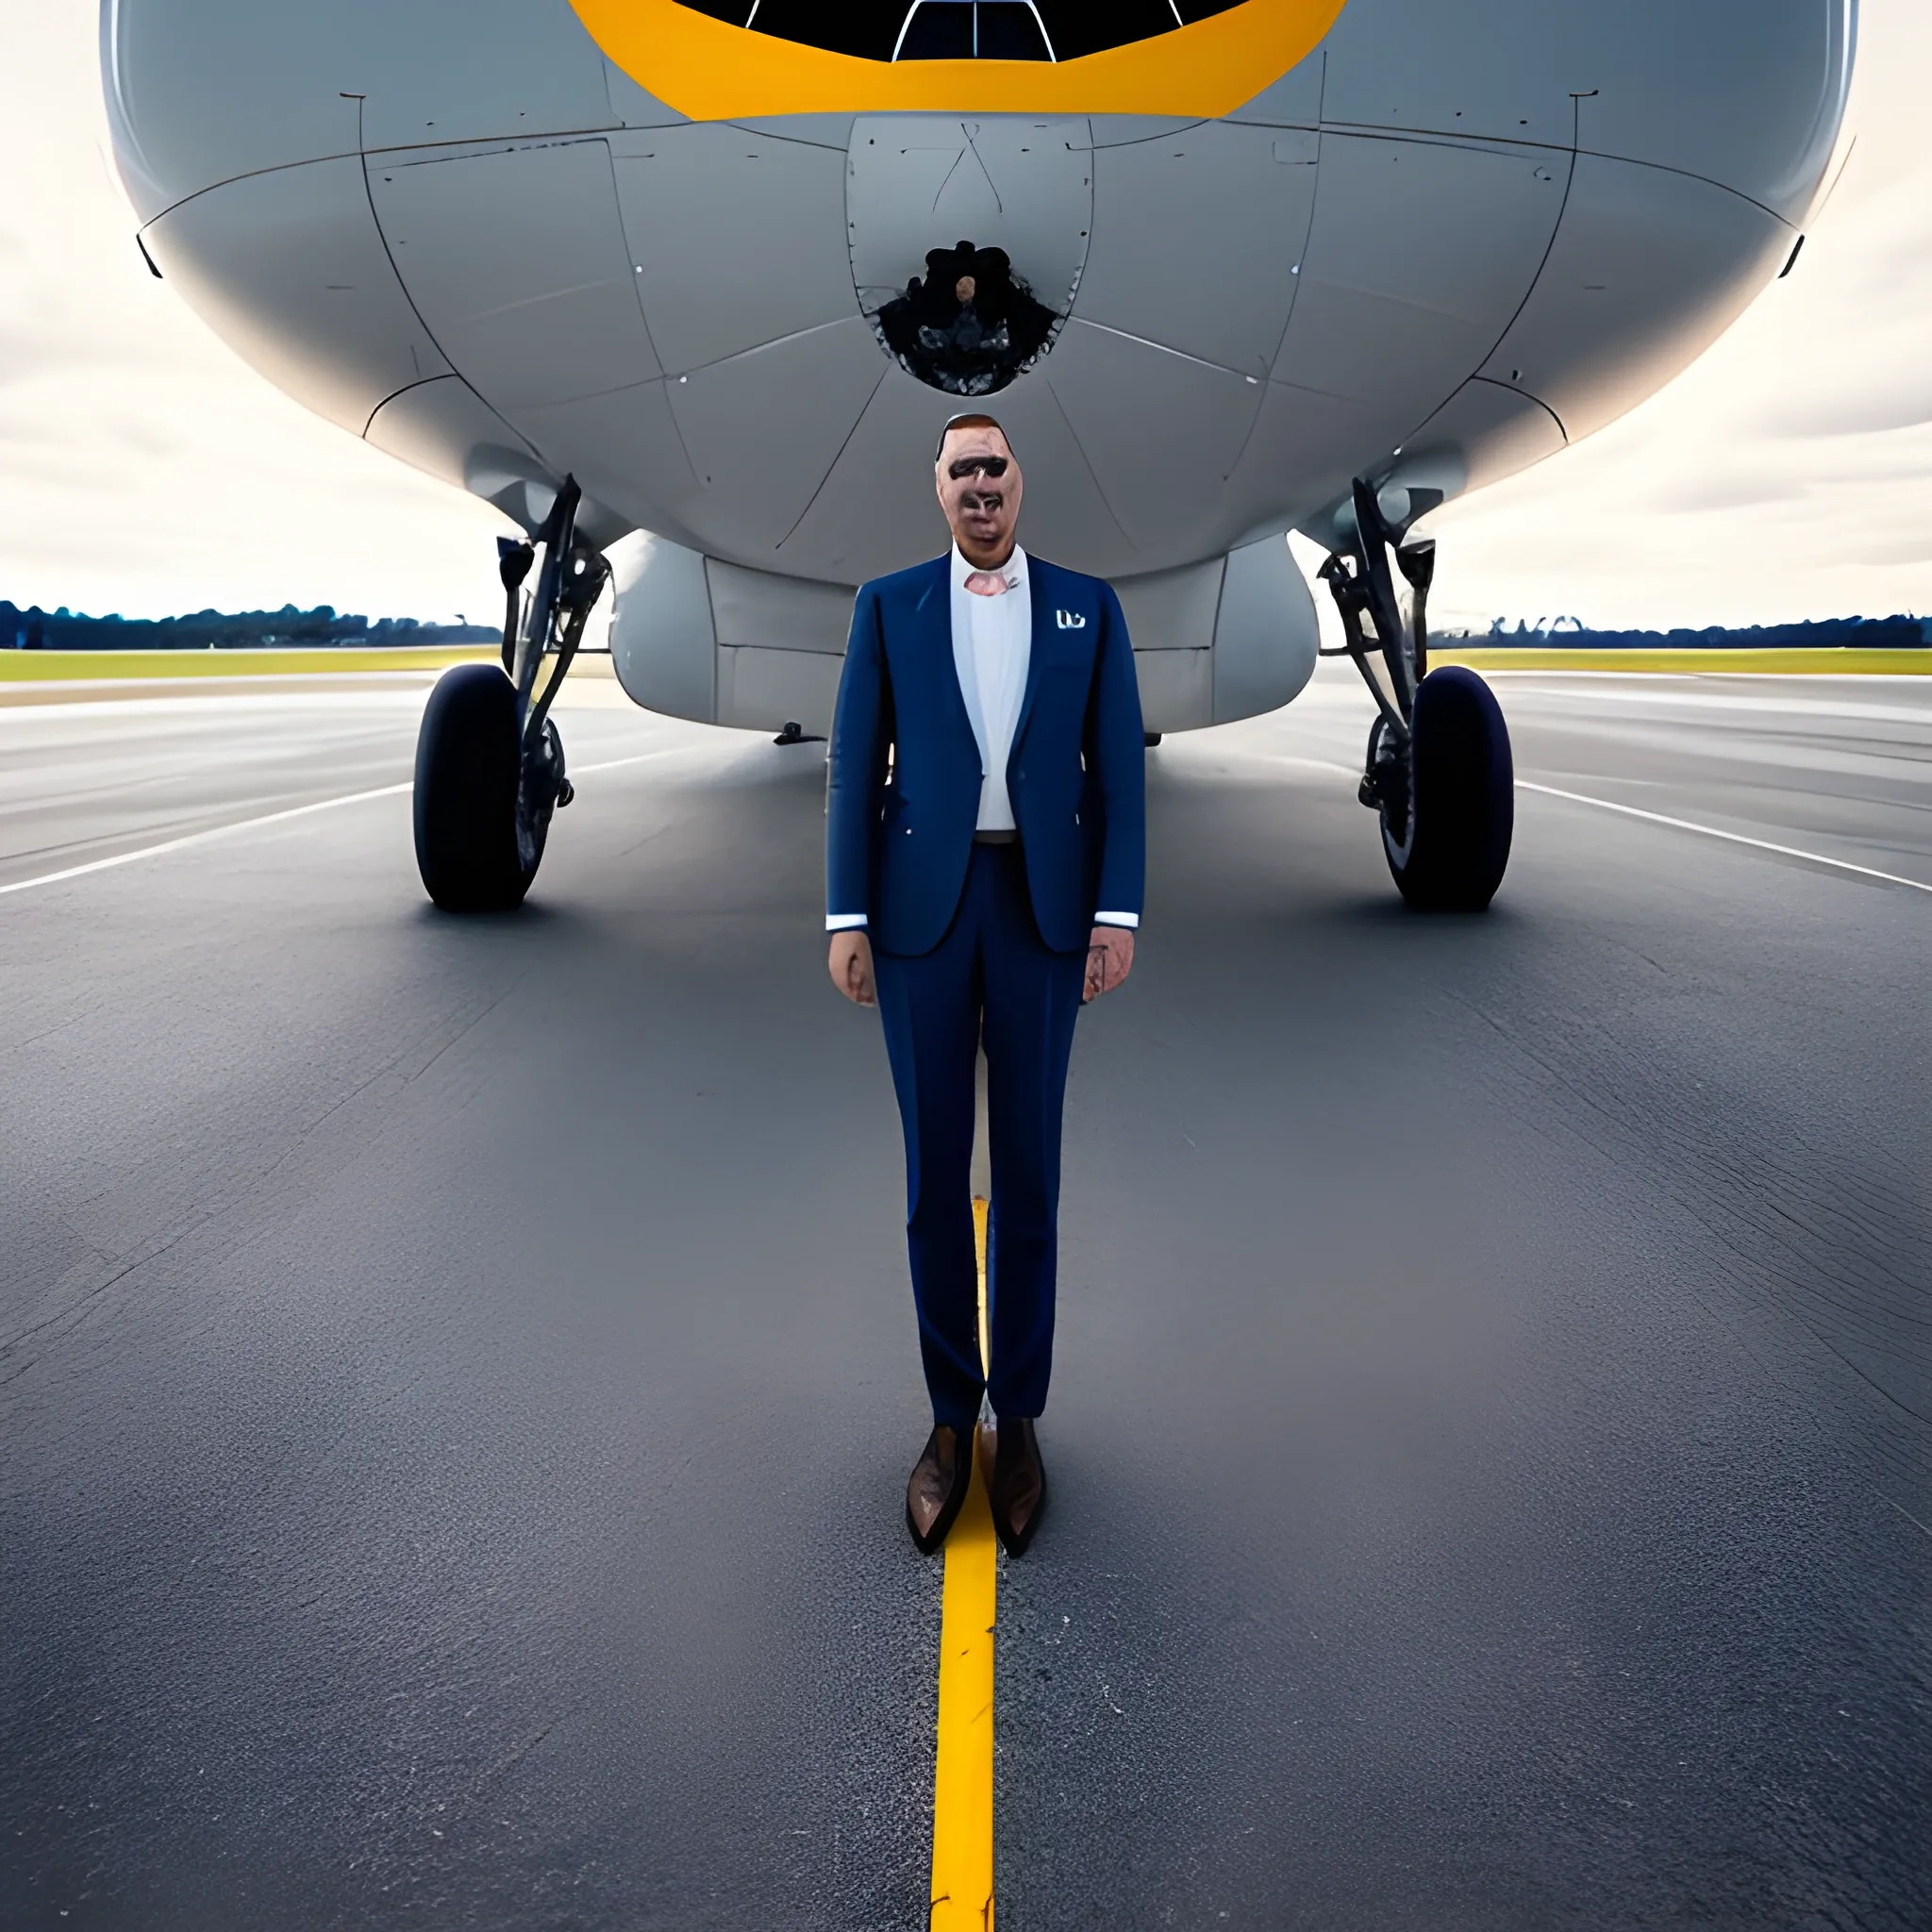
[[457, 1377]]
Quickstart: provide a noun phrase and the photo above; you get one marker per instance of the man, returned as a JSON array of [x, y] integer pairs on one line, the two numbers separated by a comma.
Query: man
[[986, 846]]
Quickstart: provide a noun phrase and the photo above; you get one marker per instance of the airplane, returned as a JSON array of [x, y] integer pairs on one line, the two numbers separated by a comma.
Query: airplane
[[716, 271]]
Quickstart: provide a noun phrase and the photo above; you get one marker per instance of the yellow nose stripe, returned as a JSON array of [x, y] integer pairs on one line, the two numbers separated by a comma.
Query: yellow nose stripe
[[713, 72]]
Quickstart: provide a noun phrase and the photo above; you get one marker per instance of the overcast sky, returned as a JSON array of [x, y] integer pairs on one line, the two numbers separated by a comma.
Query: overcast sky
[[143, 469]]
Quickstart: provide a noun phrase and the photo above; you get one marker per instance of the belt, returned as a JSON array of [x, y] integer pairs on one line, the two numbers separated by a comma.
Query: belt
[[995, 838]]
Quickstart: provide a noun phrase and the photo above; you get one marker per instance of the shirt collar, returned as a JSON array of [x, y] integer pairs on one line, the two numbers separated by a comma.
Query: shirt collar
[[1013, 570]]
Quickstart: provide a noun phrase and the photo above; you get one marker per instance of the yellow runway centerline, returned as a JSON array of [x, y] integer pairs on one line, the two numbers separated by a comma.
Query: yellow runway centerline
[[962, 1770]]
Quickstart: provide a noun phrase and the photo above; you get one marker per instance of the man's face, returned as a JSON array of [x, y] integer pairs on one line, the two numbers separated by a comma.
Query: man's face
[[982, 509]]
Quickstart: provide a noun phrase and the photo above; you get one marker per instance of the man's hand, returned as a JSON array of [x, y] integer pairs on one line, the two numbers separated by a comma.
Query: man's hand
[[1110, 960], [851, 964]]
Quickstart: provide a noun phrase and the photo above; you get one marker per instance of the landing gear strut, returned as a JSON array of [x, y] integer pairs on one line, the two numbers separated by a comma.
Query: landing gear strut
[[488, 760], [1438, 772]]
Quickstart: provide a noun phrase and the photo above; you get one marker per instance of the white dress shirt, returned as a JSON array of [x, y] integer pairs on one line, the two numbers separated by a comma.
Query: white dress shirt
[[993, 644], [992, 647]]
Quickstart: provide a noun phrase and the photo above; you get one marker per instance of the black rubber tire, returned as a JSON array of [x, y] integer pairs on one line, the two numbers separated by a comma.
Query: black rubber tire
[[467, 757], [1462, 787]]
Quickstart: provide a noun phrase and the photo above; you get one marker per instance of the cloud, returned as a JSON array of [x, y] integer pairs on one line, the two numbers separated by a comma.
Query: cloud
[[1785, 475], [1874, 414], [146, 469], [1720, 496]]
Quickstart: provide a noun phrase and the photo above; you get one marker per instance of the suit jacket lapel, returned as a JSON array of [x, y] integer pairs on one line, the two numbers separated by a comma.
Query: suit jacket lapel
[[1038, 645], [935, 606]]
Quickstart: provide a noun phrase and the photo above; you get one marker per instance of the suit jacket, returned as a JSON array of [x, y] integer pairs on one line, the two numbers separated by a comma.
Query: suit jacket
[[899, 830]]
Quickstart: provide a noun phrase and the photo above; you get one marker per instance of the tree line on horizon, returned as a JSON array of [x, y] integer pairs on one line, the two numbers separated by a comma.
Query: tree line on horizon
[[1828, 633], [34, 629]]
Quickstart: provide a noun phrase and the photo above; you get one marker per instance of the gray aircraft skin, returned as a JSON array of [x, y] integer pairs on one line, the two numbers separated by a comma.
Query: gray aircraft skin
[[1284, 244]]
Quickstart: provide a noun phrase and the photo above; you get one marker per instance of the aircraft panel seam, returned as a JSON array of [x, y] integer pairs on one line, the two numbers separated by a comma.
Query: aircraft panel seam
[[844, 444], [1687, 175], [1491, 382], [1214, 632], [663, 522], [789, 650], [633, 257], [1176, 133], [482, 401], [388, 254], [404, 390], [1093, 475], [1443, 137], [1467, 144], [1515, 314], [511, 143], [795, 335], [1535, 281], [1295, 293], [1128, 335], [762, 133], [482, 143]]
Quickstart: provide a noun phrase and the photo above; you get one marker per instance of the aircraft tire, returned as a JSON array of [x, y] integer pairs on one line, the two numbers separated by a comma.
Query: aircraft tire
[[467, 758], [1462, 790]]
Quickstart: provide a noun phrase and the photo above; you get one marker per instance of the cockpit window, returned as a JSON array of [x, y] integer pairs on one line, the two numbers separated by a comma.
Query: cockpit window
[[962, 29]]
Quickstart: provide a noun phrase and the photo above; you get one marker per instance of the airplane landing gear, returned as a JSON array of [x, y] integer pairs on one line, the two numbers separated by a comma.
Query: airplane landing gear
[[1439, 771], [489, 769]]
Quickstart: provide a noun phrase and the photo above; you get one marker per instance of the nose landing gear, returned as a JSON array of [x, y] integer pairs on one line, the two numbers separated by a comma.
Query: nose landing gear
[[1439, 772], [489, 769]]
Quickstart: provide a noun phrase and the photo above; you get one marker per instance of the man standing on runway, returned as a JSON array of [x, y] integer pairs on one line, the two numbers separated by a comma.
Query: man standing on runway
[[985, 851]]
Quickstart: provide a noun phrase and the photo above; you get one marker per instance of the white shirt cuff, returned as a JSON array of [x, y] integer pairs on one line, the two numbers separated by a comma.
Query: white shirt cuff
[[1130, 920], [845, 922]]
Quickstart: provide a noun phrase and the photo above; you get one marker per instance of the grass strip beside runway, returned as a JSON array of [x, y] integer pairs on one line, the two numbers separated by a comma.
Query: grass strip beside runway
[[37, 667], [1825, 663], [962, 1768], [135, 667]]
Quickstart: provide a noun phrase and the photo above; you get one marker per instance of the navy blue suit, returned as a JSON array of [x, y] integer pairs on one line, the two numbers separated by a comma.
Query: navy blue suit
[[984, 945]]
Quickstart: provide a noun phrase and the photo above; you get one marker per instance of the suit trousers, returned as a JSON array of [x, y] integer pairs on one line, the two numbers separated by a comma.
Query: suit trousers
[[990, 980]]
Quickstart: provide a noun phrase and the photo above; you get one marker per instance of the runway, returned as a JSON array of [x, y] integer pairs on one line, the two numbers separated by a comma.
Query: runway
[[458, 1380]]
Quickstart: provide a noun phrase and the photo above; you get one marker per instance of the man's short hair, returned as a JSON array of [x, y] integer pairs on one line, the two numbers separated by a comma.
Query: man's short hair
[[972, 420]]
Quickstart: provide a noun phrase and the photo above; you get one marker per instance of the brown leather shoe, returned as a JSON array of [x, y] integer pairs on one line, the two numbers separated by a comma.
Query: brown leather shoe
[[940, 1480], [1019, 1485]]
